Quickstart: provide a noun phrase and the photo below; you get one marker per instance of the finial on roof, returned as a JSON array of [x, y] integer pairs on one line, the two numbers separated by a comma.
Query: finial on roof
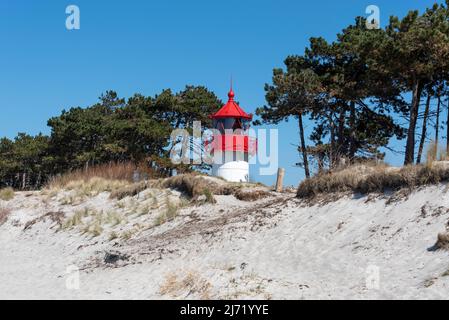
[[231, 92]]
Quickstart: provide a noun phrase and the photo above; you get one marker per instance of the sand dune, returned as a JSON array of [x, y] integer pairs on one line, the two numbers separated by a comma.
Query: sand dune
[[277, 247]]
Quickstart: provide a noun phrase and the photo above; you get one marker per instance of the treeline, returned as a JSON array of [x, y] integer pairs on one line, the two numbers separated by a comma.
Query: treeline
[[365, 88], [112, 130], [359, 91]]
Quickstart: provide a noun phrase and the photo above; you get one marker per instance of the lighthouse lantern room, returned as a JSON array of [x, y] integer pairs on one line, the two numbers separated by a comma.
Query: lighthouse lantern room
[[232, 146]]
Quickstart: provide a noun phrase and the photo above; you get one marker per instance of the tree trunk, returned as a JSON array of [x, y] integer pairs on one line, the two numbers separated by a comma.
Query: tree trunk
[[340, 138], [321, 157], [447, 126], [303, 146], [341, 127], [414, 109], [24, 179], [424, 130], [352, 146], [332, 155], [38, 180], [437, 124]]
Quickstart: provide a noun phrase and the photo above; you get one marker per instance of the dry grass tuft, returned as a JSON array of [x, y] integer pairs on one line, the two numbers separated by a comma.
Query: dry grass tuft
[[183, 287], [196, 185], [432, 153], [171, 211], [112, 236], [95, 185], [128, 190], [6, 194], [373, 179], [93, 222], [209, 196], [76, 219], [4, 213], [251, 195], [80, 189], [112, 171], [94, 229]]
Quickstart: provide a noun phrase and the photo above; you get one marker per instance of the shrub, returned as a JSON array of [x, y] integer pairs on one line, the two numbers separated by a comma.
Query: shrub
[[6, 194], [371, 179], [380, 182]]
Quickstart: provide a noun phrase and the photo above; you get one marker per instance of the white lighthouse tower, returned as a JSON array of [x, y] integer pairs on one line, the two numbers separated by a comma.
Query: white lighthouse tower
[[231, 145]]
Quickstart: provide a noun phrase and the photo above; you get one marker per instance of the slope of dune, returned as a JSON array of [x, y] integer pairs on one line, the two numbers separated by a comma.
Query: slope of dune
[[277, 247]]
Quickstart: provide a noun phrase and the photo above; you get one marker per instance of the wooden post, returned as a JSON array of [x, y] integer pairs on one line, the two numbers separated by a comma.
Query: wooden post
[[280, 179]]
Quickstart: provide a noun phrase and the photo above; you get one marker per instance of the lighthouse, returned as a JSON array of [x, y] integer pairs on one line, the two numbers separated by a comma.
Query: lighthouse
[[232, 146]]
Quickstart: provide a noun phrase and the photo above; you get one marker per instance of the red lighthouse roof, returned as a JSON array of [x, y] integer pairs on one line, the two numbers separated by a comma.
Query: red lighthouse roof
[[231, 110]]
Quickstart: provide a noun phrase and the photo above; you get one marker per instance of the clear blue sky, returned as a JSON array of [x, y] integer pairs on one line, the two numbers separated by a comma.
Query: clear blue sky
[[146, 46]]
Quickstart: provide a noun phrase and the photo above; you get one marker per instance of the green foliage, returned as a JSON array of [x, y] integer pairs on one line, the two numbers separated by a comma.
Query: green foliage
[[353, 88], [112, 130], [24, 161]]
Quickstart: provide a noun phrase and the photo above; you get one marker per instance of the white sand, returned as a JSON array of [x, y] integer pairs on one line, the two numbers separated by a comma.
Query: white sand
[[273, 248]]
